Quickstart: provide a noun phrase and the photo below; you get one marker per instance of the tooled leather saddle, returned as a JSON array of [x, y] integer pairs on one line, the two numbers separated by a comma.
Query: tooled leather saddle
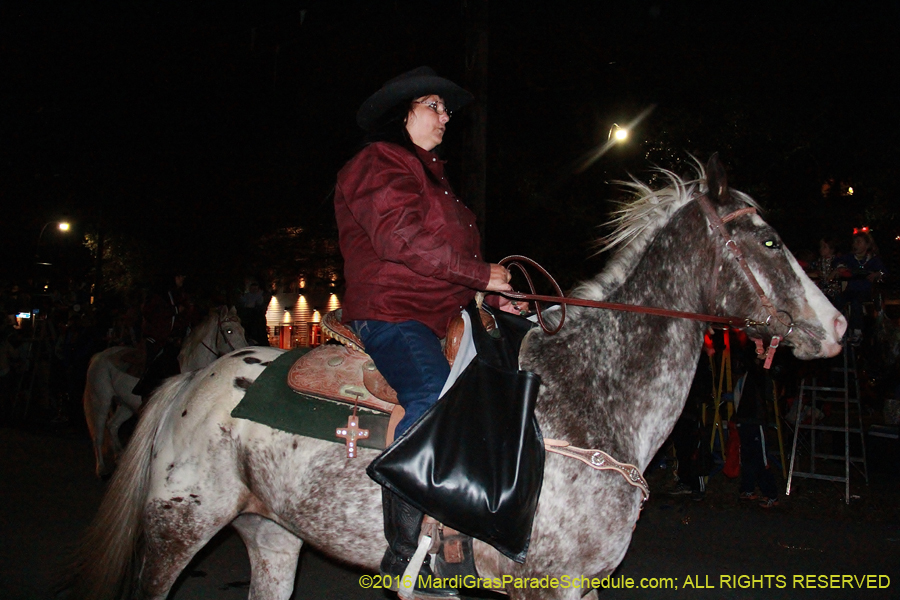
[[345, 372]]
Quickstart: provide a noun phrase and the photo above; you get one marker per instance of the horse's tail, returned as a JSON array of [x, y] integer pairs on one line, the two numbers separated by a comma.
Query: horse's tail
[[104, 564]]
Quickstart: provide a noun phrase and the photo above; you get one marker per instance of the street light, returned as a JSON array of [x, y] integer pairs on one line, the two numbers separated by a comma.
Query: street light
[[61, 225], [617, 134]]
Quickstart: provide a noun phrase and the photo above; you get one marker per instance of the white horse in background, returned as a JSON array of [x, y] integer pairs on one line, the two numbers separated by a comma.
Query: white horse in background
[[108, 380]]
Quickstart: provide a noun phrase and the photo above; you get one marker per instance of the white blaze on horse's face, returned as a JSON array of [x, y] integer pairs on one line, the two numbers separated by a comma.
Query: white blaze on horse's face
[[818, 325]]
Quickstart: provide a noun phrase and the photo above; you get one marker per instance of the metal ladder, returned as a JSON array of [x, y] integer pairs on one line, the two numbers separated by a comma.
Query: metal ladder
[[838, 393]]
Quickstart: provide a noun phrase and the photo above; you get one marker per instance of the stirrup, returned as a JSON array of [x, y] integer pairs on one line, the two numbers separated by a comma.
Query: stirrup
[[406, 589]]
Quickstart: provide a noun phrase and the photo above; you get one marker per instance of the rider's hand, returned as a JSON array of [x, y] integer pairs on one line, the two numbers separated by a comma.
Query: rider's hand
[[516, 307], [499, 281]]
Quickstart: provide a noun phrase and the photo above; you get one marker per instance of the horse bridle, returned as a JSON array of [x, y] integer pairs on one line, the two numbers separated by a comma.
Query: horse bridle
[[717, 224], [219, 322]]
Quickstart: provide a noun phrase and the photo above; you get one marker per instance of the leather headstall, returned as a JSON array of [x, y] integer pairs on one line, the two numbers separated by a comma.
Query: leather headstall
[[717, 224], [219, 332]]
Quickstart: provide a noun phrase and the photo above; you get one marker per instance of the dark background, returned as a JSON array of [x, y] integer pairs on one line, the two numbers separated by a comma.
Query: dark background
[[205, 136]]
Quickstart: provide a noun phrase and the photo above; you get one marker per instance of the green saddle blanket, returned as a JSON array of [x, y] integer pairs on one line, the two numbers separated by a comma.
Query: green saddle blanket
[[271, 402]]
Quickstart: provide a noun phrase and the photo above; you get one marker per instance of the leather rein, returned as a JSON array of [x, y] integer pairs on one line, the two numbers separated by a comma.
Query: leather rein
[[717, 224]]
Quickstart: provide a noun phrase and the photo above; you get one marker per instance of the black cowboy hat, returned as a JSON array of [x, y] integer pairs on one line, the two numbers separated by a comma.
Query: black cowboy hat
[[412, 84]]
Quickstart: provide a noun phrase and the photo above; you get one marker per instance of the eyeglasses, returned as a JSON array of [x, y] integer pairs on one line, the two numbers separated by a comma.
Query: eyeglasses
[[437, 107]]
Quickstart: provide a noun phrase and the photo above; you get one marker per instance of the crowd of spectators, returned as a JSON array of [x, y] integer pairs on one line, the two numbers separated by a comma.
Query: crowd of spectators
[[849, 279], [48, 336]]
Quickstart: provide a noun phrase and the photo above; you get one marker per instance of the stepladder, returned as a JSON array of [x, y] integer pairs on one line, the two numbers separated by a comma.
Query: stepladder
[[817, 440]]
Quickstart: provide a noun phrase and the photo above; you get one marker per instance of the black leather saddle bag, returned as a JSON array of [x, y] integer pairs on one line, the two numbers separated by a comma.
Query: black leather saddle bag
[[475, 460]]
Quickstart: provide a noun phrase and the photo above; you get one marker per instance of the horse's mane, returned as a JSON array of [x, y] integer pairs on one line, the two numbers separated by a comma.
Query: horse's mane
[[636, 223]]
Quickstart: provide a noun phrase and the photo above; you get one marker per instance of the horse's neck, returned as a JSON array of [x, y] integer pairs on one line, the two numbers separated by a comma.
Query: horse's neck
[[198, 354], [674, 275], [676, 271], [624, 375]]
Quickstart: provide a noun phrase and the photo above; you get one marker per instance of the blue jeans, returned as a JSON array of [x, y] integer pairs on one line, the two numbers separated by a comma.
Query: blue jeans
[[753, 462], [411, 359]]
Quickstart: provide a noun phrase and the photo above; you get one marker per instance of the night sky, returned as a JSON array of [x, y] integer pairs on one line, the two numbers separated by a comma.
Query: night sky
[[188, 131]]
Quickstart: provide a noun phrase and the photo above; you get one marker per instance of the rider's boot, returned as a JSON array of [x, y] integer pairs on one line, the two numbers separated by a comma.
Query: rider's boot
[[402, 525]]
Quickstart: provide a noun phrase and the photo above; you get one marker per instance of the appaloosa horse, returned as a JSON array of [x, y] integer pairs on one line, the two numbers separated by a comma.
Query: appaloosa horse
[[614, 381], [108, 380]]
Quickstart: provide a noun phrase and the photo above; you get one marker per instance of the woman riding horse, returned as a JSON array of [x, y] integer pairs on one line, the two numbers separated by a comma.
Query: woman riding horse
[[412, 261]]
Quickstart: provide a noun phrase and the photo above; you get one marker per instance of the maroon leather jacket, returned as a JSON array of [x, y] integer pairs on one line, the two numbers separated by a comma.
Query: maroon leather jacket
[[411, 248]]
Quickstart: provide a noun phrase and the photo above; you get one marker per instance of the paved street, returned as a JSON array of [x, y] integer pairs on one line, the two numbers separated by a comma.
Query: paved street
[[49, 495]]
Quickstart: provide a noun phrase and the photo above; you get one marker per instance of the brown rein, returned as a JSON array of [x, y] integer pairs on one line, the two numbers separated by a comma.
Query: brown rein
[[517, 260]]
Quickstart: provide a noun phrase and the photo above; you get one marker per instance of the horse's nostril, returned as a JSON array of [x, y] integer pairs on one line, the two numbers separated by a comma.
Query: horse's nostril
[[840, 326]]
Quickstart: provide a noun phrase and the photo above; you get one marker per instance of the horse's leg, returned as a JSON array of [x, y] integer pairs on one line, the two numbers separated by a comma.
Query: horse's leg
[[274, 552], [196, 488], [97, 398], [128, 405], [175, 530]]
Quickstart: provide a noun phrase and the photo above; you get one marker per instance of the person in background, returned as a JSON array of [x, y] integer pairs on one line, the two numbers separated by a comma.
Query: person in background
[[10, 359], [751, 418], [252, 311], [825, 270], [863, 268], [691, 450], [167, 315]]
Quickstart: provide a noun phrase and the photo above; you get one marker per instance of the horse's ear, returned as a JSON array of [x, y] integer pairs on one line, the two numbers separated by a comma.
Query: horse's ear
[[223, 311], [232, 311], [716, 180]]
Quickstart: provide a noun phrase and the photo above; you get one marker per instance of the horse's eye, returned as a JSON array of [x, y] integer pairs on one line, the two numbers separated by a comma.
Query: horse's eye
[[229, 331], [773, 244]]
